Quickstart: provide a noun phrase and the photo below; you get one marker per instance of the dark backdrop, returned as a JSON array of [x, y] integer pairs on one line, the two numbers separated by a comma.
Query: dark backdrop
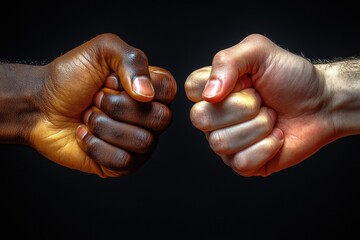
[[184, 191]]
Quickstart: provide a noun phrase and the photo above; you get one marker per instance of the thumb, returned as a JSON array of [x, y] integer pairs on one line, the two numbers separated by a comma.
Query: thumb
[[131, 66], [232, 68], [222, 81]]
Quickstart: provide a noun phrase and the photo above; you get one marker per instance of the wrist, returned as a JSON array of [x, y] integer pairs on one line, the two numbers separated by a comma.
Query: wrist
[[342, 80], [19, 101]]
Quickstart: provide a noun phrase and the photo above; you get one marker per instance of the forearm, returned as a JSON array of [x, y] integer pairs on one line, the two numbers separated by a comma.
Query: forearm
[[19, 93], [343, 85]]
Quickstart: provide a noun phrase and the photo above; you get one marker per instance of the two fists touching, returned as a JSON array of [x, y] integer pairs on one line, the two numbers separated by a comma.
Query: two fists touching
[[103, 107]]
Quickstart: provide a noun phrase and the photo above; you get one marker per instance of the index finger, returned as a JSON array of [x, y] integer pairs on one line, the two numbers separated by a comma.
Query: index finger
[[195, 83], [164, 84], [129, 63]]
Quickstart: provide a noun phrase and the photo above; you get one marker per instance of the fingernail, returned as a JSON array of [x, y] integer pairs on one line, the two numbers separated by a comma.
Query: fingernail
[[86, 116], [142, 86], [81, 132], [98, 98], [278, 133], [112, 81], [159, 71], [212, 88]]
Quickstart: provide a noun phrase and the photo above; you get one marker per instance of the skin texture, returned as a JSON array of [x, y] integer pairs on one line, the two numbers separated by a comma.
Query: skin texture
[[264, 109], [99, 108]]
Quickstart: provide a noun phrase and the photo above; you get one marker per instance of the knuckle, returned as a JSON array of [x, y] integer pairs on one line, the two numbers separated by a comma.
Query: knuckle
[[115, 105], [242, 164], [254, 36], [252, 104], [124, 161], [144, 141], [108, 41], [257, 39], [116, 160], [222, 56], [195, 83], [135, 55], [270, 147], [171, 89], [188, 85], [108, 37], [168, 89], [249, 105], [199, 117], [92, 147], [161, 117], [97, 123], [219, 142], [119, 161], [193, 90], [264, 123]]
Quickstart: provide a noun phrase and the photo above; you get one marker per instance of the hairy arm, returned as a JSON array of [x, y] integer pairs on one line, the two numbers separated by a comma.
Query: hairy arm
[[343, 83]]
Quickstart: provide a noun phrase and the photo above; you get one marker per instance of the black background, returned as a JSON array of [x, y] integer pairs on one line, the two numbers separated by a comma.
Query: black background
[[184, 190]]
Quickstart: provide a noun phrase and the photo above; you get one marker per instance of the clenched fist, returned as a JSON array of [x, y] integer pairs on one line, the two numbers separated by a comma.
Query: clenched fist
[[98, 108], [264, 109]]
